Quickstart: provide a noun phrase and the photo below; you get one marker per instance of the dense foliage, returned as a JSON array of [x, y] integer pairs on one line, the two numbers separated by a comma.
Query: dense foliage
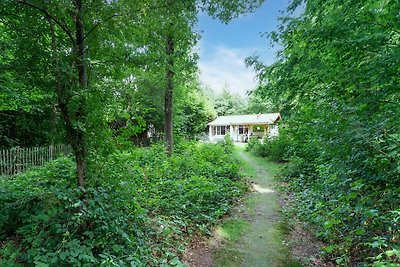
[[229, 104], [91, 64], [276, 149], [102, 76], [337, 83], [138, 210]]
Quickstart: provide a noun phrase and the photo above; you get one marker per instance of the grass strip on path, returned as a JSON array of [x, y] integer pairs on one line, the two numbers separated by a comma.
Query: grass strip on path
[[254, 235]]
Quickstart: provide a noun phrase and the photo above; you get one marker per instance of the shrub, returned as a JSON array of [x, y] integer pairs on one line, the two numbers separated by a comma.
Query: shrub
[[351, 197], [226, 143], [253, 144], [49, 222], [136, 210], [276, 148]]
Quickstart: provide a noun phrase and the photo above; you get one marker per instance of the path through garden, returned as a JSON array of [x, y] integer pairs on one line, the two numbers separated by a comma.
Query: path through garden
[[256, 234], [251, 237]]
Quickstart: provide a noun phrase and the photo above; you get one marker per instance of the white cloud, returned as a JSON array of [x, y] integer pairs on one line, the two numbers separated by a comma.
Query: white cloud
[[226, 66]]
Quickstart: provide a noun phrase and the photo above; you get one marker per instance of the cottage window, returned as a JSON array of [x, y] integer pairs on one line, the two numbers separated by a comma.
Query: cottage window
[[241, 129], [221, 130]]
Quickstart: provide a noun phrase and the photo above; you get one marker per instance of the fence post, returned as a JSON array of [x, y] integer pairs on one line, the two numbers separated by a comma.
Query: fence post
[[17, 160], [9, 162], [29, 159], [1, 162], [23, 159]]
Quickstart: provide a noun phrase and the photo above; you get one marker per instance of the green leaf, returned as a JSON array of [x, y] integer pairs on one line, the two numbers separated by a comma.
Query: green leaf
[[176, 262], [360, 231], [63, 255]]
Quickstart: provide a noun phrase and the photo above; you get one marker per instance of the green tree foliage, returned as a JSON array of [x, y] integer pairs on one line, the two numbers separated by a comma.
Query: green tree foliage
[[82, 66], [87, 65], [173, 38], [62, 31], [27, 105], [178, 22], [193, 111], [226, 10], [86, 59], [257, 104], [229, 104], [337, 78]]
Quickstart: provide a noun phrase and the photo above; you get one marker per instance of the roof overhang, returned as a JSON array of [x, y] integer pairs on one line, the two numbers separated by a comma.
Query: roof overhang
[[253, 119]]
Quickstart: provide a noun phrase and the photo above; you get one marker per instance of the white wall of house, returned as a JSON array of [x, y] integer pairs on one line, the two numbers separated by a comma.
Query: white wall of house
[[240, 133], [241, 127]]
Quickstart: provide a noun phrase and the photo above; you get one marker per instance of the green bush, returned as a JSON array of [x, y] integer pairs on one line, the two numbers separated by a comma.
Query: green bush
[[276, 148], [342, 123], [226, 143], [253, 144], [51, 222], [348, 188], [137, 207]]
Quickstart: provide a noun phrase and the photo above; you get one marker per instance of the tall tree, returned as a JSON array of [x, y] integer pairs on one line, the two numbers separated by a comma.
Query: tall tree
[[193, 110], [68, 26], [179, 38], [258, 104], [169, 49]]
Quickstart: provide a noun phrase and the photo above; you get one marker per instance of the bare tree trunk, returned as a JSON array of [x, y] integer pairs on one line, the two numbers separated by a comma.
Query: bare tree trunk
[[168, 124]]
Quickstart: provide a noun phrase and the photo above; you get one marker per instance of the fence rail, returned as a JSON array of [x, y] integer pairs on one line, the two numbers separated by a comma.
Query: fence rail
[[18, 159]]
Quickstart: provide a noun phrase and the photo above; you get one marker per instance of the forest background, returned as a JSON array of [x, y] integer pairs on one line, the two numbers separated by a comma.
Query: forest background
[[97, 74]]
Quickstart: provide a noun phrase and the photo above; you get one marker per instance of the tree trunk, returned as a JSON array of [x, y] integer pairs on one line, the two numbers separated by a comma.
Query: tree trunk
[[57, 74], [63, 89], [75, 135], [79, 144], [168, 124]]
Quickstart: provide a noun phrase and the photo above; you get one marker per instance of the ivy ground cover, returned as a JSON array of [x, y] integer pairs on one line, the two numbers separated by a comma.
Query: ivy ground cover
[[138, 210]]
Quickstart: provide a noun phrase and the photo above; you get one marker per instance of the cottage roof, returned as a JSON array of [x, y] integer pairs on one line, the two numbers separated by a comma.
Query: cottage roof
[[269, 118]]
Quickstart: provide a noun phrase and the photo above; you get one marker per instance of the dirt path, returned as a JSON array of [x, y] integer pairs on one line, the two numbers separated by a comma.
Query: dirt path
[[251, 236], [270, 240], [254, 235], [261, 245]]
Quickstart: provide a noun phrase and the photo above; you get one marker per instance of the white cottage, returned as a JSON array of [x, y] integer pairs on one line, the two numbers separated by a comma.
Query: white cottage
[[242, 127]]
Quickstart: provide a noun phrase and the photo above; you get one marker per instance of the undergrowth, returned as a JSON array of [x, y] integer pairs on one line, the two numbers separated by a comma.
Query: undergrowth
[[137, 210], [352, 205]]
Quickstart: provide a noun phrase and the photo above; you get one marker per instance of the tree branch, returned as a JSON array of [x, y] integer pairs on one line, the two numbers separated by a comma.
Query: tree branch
[[385, 26], [118, 15], [3, 14], [46, 13], [98, 24], [388, 101]]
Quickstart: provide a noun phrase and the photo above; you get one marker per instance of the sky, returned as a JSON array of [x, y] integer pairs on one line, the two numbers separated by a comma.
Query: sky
[[223, 48]]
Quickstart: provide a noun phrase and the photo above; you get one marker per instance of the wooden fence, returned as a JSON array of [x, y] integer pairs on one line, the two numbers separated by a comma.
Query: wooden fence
[[18, 159]]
